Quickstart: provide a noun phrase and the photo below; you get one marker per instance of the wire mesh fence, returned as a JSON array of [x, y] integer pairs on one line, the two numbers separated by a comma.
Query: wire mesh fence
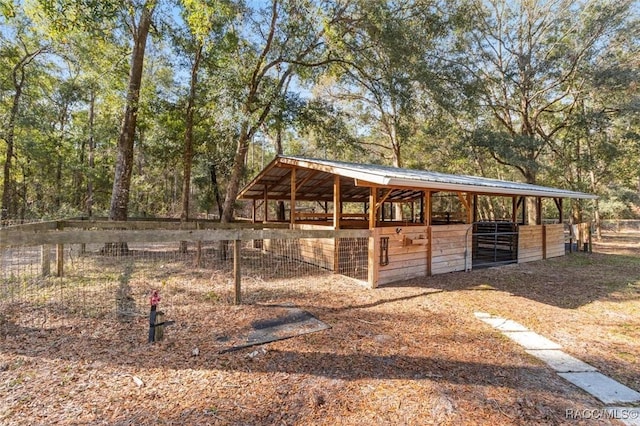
[[44, 284]]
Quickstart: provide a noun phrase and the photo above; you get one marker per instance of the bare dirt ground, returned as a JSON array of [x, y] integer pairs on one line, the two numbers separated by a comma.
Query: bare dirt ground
[[409, 354]]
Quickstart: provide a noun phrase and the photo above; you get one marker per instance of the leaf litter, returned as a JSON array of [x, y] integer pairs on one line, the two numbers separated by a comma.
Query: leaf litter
[[410, 354]]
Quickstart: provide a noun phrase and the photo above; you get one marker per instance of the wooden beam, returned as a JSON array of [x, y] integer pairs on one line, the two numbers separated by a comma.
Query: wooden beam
[[429, 246], [373, 256], [384, 198], [265, 204], [475, 207], [337, 210], [305, 180], [373, 209], [427, 208], [227, 234], [253, 211], [336, 202], [463, 200], [292, 213]]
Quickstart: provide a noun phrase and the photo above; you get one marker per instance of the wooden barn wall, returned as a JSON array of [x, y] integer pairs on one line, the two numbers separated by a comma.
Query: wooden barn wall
[[316, 251], [450, 248], [408, 254], [554, 240], [530, 243]]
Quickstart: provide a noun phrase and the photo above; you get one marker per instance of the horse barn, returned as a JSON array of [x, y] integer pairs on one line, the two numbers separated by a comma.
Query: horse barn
[[415, 223]]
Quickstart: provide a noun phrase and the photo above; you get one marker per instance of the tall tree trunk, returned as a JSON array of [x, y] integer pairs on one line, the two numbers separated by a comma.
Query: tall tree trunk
[[124, 160], [92, 144], [216, 188], [7, 190], [236, 174], [118, 209], [596, 212], [58, 195], [187, 157], [18, 77], [531, 202], [78, 177]]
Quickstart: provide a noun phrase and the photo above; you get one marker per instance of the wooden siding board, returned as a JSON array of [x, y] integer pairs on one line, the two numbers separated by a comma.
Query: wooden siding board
[[555, 240], [449, 245], [530, 243]]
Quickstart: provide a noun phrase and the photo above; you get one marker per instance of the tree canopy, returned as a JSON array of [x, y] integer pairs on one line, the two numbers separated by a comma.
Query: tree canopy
[[166, 107]]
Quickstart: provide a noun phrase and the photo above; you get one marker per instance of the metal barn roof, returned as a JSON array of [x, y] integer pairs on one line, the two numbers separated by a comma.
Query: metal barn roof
[[315, 178]]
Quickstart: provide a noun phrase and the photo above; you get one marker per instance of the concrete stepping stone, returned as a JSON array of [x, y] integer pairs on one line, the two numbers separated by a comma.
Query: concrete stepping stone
[[500, 323], [509, 325], [602, 387], [560, 361], [530, 340]]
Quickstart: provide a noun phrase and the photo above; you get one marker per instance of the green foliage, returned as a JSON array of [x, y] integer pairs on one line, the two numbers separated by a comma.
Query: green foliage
[[535, 91]]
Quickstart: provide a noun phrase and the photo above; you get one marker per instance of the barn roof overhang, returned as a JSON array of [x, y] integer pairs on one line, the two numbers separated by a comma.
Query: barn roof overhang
[[314, 180]]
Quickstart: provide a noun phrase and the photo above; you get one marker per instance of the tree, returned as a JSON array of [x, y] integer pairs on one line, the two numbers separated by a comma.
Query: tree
[[139, 27], [528, 58], [21, 56], [285, 38], [205, 27], [393, 74], [599, 151]]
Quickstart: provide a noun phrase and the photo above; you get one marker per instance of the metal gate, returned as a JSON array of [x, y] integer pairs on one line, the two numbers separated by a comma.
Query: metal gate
[[494, 243]]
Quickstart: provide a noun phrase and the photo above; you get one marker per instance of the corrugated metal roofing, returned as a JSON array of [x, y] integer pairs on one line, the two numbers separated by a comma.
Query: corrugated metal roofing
[[356, 178]]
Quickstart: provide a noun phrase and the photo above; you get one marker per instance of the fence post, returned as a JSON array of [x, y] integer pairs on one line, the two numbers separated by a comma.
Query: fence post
[[59, 253], [45, 259], [59, 260], [237, 276]]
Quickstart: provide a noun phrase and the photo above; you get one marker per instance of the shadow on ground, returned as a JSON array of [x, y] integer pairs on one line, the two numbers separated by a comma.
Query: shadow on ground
[[567, 282]]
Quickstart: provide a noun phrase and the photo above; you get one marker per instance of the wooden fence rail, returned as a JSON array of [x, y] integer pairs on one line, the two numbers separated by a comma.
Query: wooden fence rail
[[58, 234]]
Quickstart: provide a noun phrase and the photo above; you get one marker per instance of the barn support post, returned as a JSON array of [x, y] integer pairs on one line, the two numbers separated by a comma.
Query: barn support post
[[253, 211], [336, 202], [373, 200], [427, 208], [514, 209], [265, 205], [475, 207], [237, 275], [429, 250], [373, 251], [292, 213], [373, 263], [337, 208]]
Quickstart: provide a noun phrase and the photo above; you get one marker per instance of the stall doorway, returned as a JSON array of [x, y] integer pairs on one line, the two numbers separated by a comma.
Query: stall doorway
[[494, 244]]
